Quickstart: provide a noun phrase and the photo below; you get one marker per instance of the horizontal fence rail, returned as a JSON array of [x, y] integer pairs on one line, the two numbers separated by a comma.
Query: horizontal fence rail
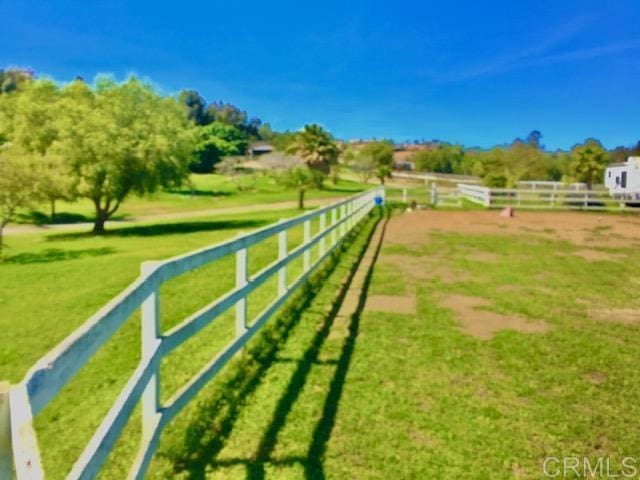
[[20, 403], [534, 196], [541, 198]]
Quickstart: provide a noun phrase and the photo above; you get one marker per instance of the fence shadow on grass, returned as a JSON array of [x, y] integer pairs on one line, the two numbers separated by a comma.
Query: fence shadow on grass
[[157, 229], [207, 433]]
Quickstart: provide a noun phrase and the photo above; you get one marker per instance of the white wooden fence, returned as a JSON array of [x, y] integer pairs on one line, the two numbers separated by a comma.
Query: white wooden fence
[[20, 403], [540, 199]]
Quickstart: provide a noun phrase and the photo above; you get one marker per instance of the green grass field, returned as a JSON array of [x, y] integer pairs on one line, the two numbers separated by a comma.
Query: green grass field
[[206, 191], [386, 394], [415, 396]]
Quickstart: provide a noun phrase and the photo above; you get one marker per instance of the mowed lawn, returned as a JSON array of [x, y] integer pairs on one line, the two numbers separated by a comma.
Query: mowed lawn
[[204, 192], [485, 345]]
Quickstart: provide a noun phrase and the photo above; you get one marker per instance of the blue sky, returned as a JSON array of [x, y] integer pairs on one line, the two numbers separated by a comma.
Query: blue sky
[[475, 72]]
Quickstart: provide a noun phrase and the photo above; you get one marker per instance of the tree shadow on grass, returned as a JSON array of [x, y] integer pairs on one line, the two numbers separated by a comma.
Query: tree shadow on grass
[[204, 442], [165, 229], [37, 217], [55, 255]]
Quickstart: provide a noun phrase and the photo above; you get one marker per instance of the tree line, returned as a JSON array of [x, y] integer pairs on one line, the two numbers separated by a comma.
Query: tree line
[[524, 159], [107, 141]]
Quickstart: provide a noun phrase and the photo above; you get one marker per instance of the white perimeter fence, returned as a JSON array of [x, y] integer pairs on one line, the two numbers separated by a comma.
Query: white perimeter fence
[[541, 198], [20, 403], [528, 195]]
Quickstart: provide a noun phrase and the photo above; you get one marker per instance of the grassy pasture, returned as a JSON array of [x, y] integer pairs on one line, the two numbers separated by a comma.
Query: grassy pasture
[[207, 191], [397, 395], [389, 393], [51, 283]]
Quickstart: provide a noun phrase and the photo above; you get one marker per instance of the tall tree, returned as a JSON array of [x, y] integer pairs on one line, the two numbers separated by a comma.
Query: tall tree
[[380, 154], [621, 154], [12, 78], [292, 171], [28, 116], [215, 141], [18, 187], [121, 139], [534, 139], [589, 161], [445, 158], [317, 148], [196, 106]]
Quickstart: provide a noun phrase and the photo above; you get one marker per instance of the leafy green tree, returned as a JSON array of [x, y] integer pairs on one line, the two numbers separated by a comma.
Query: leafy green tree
[[215, 141], [120, 139], [380, 154], [196, 106], [505, 167], [621, 154], [19, 187], [291, 171], [534, 139], [56, 182], [282, 140], [588, 162], [233, 167], [12, 78], [29, 121], [226, 113], [317, 149], [363, 165], [445, 158], [300, 177]]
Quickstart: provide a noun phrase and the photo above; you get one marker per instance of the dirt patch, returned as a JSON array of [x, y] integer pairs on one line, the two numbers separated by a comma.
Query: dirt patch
[[485, 257], [425, 268], [412, 229], [595, 378], [484, 324], [403, 304], [596, 255], [626, 316]]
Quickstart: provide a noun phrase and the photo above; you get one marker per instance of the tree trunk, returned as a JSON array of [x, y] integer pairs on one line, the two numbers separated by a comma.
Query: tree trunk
[[301, 199], [53, 210], [98, 224], [103, 214]]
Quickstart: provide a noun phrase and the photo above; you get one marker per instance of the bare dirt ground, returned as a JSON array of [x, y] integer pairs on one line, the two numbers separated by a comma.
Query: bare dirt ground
[[588, 231], [580, 228]]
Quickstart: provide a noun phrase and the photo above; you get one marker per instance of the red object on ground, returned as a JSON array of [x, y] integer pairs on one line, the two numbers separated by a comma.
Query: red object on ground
[[507, 212]]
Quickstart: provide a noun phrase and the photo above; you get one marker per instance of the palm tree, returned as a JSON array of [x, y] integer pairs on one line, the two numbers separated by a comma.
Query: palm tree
[[317, 149]]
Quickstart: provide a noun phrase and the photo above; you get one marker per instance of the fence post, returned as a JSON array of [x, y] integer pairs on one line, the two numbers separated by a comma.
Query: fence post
[[334, 219], [404, 195], [6, 453], [343, 214], [150, 333], [241, 281], [282, 253], [434, 194], [306, 256], [487, 197]]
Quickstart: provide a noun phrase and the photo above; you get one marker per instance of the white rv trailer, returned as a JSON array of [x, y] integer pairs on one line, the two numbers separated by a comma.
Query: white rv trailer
[[623, 180]]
